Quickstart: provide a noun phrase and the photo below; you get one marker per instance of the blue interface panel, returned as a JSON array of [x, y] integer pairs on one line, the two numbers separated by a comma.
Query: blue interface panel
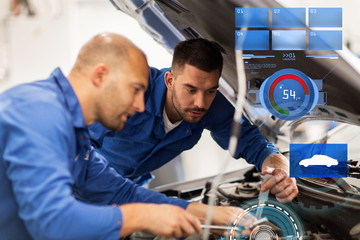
[[318, 160], [325, 40], [295, 36], [252, 17], [325, 17], [279, 46], [289, 40], [252, 40], [289, 17]]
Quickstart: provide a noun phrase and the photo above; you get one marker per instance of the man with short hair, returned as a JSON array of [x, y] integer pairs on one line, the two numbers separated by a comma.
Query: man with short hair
[[53, 185], [180, 103]]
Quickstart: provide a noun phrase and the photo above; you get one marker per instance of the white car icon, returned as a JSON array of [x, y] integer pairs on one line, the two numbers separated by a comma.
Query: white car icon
[[319, 159]]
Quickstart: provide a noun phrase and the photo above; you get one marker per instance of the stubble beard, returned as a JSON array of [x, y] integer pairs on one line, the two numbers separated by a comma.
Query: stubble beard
[[113, 124], [182, 112]]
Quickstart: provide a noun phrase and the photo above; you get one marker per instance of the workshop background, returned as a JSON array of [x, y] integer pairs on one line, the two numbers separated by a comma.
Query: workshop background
[[36, 36]]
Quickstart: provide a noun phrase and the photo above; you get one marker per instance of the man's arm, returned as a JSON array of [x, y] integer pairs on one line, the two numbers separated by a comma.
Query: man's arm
[[36, 153], [115, 189], [100, 184], [252, 145], [255, 149]]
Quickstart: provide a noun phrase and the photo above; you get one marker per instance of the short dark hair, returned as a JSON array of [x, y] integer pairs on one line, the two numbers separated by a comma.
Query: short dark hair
[[200, 53]]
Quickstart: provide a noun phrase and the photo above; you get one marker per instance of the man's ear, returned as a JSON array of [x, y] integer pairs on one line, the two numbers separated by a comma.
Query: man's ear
[[169, 79], [99, 74]]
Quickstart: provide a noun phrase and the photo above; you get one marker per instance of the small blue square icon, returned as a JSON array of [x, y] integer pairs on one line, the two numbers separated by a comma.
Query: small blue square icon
[[318, 160]]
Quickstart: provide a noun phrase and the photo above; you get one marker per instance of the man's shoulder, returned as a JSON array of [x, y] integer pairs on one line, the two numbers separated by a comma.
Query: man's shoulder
[[220, 111], [156, 74], [34, 91], [157, 87], [35, 95], [220, 102]]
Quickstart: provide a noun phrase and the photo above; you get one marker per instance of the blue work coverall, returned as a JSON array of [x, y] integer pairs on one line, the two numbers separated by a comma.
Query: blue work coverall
[[53, 185], [142, 146]]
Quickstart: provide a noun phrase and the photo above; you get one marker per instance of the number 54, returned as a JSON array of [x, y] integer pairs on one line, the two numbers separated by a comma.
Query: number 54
[[286, 93]]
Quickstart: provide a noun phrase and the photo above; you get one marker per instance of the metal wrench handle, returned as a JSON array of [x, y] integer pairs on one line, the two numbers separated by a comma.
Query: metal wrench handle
[[263, 196], [216, 227]]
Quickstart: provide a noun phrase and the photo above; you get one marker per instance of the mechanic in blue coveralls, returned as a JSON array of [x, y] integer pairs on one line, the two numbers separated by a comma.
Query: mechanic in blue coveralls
[[52, 184], [180, 103]]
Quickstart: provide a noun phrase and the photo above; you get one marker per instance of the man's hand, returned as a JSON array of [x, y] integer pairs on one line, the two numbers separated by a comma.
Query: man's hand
[[222, 215], [226, 215], [280, 184], [160, 219]]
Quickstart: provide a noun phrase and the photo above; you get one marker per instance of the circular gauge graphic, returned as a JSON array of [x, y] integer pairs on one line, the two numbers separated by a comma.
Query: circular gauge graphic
[[288, 94], [277, 221]]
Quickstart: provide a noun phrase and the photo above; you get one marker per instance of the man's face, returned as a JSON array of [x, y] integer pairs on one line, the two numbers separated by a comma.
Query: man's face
[[124, 95], [192, 92]]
